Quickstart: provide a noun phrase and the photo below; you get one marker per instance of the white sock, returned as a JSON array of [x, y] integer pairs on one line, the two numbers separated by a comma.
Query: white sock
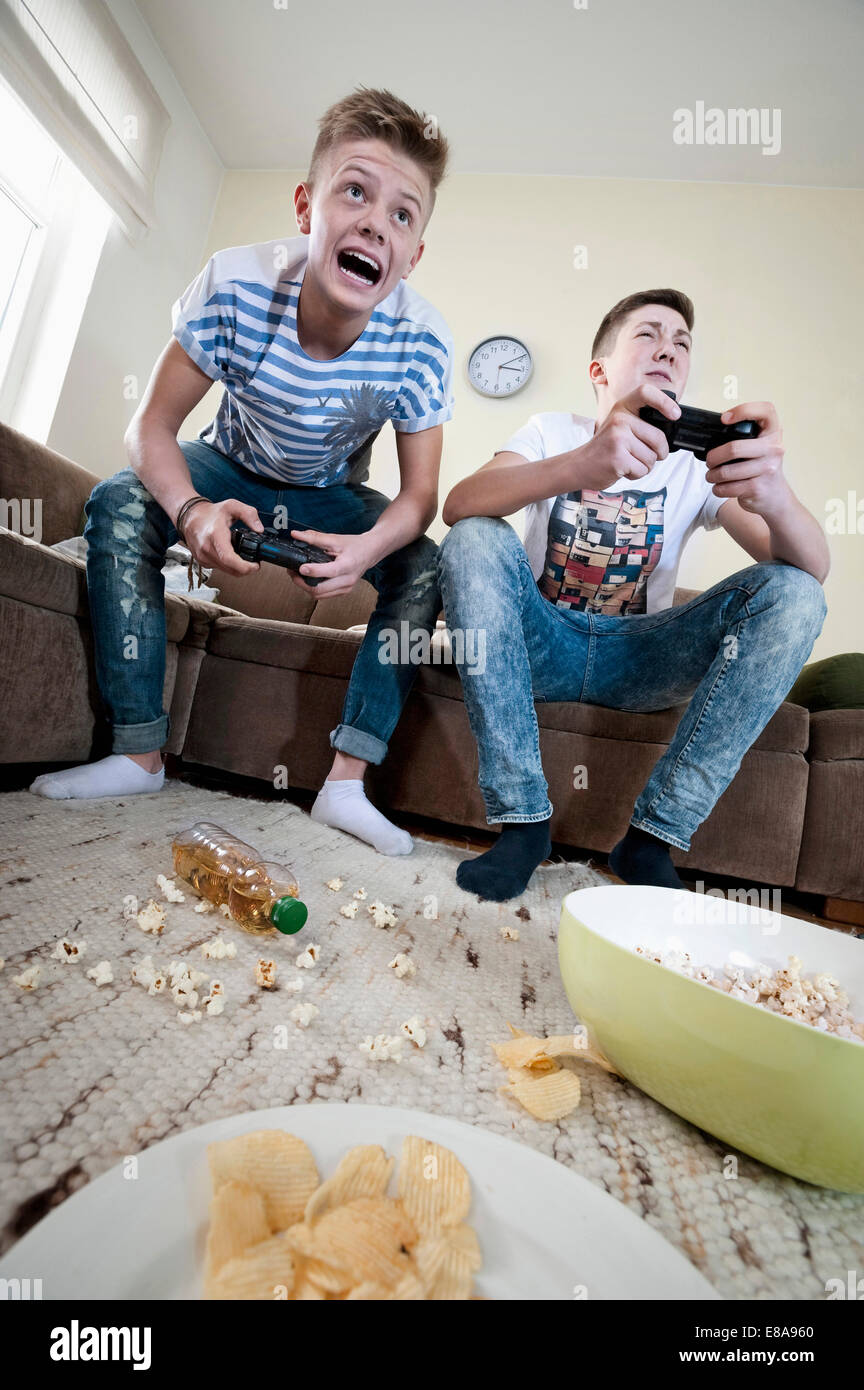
[[343, 806], [116, 775]]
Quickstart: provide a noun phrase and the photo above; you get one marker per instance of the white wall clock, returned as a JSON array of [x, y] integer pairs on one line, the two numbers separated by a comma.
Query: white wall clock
[[500, 366]]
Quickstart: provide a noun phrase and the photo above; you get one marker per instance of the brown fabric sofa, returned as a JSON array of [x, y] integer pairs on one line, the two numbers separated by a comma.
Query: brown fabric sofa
[[792, 817]]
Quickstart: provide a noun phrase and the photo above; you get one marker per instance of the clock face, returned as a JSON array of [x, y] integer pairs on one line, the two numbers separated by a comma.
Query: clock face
[[499, 366]]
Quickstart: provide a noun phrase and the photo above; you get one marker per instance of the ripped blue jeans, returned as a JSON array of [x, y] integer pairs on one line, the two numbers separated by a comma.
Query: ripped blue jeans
[[128, 534]]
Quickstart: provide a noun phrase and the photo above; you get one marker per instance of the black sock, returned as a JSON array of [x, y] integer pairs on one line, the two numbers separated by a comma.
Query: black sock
[[642, 858], [504, 870]]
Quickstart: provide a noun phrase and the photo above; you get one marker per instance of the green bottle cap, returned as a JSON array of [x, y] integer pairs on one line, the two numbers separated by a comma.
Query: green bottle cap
[[288, 915]]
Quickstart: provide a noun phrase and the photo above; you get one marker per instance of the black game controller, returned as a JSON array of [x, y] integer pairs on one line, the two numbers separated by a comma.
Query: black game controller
[[278, 548], [700, 431]]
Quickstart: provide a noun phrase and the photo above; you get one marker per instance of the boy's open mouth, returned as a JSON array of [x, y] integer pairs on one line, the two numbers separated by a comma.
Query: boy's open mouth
[[359, 266]]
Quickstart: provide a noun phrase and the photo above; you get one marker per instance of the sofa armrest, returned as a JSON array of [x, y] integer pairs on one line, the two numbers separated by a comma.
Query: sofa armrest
[[52, 488]]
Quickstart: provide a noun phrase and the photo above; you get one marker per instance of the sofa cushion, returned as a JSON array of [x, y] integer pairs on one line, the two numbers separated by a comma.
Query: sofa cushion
[[36, 574], [836, 734], [267, 592], [786, 732], [29, 469], [293, 646], [831, 862], [343, 610], [46, 687], [32, 573]]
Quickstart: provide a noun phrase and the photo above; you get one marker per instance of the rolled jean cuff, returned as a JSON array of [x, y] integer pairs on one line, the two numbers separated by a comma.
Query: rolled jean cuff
[[356, 743], [518, 818], [660, 833], [140, 738]]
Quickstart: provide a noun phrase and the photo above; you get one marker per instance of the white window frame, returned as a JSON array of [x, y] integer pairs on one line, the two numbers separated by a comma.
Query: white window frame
[[13, 333], [49, 296]]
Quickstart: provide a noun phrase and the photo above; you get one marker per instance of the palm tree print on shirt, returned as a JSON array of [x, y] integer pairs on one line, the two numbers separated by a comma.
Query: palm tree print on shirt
[[361, 412]]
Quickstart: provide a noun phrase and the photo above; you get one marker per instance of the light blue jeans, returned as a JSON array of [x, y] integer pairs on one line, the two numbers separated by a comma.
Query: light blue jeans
[[128, 533], [733, 652]]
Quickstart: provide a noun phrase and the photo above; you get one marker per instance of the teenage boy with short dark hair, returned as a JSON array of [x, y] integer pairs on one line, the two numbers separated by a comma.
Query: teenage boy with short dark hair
[[583, 610], [318, 343]]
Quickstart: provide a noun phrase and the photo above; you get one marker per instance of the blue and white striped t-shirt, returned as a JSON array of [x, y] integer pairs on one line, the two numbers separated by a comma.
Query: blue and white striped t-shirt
[[288, 415]]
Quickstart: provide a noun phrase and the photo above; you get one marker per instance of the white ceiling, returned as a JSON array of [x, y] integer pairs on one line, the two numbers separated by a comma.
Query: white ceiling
[[537, 87]]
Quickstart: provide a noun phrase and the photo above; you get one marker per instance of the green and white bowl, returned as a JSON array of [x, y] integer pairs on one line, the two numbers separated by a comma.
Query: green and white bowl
[[780, 1090]]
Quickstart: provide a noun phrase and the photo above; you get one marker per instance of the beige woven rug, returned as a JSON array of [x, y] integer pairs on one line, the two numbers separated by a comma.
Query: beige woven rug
[[88, 1075]]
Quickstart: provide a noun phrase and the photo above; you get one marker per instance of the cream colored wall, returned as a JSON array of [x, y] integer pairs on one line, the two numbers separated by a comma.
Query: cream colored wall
[[775, 274]]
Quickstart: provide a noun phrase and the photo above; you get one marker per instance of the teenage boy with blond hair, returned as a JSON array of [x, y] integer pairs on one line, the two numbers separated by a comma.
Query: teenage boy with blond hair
[[583, 610], [318, 342]]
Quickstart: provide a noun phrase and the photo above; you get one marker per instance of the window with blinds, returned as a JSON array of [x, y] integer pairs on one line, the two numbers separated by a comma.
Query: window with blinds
[[71, 65]]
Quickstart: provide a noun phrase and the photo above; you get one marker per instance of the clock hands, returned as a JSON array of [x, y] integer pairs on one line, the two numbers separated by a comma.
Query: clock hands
[[481, 369]]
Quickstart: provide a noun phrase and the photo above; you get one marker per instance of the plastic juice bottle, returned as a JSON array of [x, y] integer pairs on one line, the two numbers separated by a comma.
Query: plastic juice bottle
[[224, 869], [266, 896], [208, 858], [187, 844]]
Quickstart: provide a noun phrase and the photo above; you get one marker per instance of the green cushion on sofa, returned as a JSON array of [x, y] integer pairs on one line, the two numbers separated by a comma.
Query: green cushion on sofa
[[835, 683]]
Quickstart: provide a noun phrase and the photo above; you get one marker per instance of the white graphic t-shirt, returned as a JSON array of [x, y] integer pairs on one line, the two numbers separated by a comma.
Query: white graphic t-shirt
[[615, 551]]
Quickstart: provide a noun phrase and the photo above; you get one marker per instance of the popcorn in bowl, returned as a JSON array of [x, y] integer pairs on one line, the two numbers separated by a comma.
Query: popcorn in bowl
[[819, 1002]]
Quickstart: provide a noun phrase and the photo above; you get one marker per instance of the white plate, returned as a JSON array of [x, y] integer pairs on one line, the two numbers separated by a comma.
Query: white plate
[[543, 1230]]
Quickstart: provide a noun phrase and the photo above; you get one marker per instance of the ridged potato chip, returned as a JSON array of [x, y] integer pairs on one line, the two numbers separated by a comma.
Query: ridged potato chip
[[521, 1052], [536, 1053], [266, 1271], [238, 1219], [369, 1237], [569, 1045], [300, 1238], [433, 1185], [304, 1290], [547, 1096], [462, 1260], [362, 1172], [276, 1164], [367, 1293], [447, 1262], [328, 1275], [275, 1233], [429, 1253], [333, 1280], [408, 1289]]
